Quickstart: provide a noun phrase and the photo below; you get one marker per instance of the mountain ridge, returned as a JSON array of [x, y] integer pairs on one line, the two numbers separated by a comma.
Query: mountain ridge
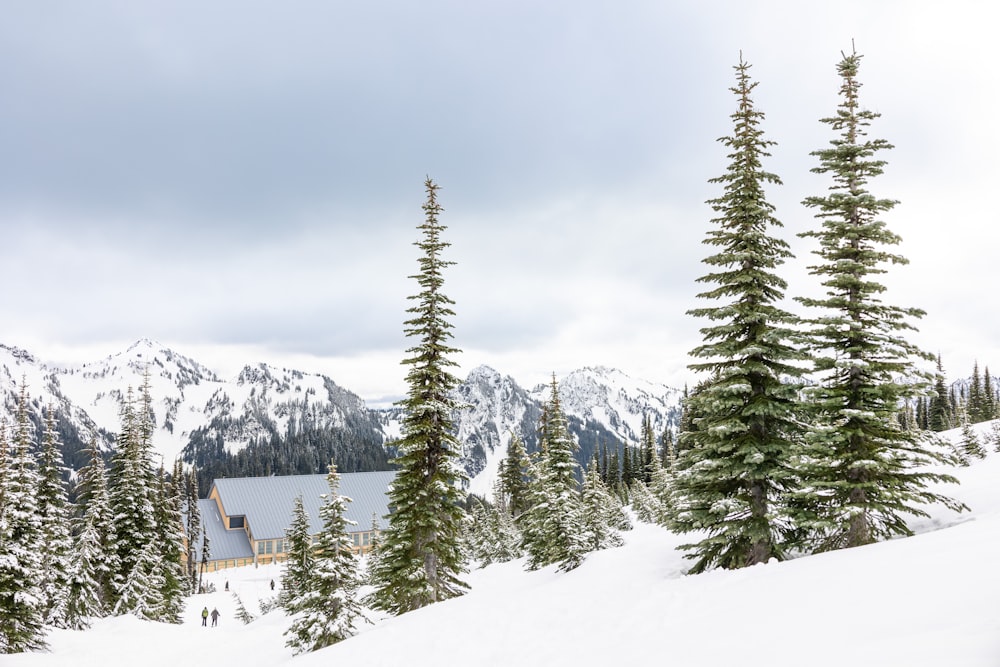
[[270, 420]]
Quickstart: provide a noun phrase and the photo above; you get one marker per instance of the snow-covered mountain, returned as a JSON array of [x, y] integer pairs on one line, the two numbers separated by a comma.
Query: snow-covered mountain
[[271, 420], [602, 406]]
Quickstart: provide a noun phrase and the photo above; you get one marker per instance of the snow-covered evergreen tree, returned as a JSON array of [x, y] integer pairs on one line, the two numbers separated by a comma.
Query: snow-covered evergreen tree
[[863, 474], [552, 527], [370, 559], [421, 557], [147, 532], [295, 577], [645, 505], [92, 591], [648, 449], [206, 554], [131, 495], [140, 593], [492, 535], [192, 525], [602, 514], [735, 461], [328, 610], [55, 514], [940, 416], [514, 477], [22, 599], [969, 446], [170, 539]]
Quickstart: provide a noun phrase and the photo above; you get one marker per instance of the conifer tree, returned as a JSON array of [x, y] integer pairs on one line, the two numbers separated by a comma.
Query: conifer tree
[[989, 396], [939, 413], [735, 465], [614, 471], [628, 470], [22, 599], [421, 559], [553, 525], [514, 477], [92, 591], [170, 542], [131, 494], [57, 545], [648, 449], [668, 449], [861, 471], [602, 516], [975, 408], [206, 554], [327, 611], [295, 577], [371, 558], [969, 446], [192, 525]]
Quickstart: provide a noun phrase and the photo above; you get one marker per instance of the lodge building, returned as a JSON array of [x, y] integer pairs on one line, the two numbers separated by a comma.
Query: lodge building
[[245, 518]]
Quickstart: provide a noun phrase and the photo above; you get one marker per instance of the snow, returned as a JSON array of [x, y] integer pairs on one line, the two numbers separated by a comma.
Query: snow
[[923, 601]]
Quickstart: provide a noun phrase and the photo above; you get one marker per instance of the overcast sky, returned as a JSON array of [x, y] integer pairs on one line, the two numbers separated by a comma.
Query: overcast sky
[[242, 180]]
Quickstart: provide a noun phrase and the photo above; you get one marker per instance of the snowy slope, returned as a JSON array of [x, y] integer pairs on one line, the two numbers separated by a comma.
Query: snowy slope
[[924, 601]]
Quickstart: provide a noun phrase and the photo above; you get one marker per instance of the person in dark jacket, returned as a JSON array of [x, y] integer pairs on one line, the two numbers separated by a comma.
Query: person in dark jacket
[[215, 617]]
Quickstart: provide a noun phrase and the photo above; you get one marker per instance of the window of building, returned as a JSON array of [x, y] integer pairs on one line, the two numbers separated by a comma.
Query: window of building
[[237, 521], [279, 546], [357, 539], [367, 539], [270, 545], [260, 548]]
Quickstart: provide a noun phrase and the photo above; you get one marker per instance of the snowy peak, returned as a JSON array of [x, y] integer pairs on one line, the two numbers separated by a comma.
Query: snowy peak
[[615, 400], [602, 405]]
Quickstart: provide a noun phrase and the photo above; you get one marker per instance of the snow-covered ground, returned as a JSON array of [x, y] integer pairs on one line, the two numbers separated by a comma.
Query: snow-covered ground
[[932, 600]]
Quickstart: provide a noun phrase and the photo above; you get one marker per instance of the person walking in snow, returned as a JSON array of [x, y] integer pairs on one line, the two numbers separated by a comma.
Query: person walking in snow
[[272, 584], [215, 617], [204, 617]]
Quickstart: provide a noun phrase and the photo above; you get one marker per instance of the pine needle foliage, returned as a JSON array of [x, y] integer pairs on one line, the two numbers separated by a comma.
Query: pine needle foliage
[[734, 461], [862, 471], [295, 582], [22, 601], [553, 527], [328, 609], [57, 546], [421, 557], [92, 593]]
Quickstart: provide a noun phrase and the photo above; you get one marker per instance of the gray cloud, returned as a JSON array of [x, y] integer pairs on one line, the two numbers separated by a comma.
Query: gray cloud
[[250, 173]]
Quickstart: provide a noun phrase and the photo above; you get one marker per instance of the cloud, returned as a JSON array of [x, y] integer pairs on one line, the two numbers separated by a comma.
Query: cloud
[[248, 174]]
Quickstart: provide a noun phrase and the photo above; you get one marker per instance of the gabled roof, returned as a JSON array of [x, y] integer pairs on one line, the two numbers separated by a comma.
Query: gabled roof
[[222, 544], [268, 502]]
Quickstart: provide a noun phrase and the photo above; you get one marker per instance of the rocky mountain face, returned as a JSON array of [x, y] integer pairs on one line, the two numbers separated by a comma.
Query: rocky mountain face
[[281, 421], [603, 406]]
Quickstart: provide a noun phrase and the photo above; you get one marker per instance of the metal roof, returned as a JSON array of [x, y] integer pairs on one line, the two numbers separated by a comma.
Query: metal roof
[[268, 502], [222, 544]]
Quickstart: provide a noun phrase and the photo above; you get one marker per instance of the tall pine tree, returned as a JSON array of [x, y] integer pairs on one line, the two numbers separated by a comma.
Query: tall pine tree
[[421, 558], [327, 611], [862, 471], [735, 460], [22, 599], [55, 513], [295, 577], [93, 593], [513, 477], [552, 527], [939, 413]]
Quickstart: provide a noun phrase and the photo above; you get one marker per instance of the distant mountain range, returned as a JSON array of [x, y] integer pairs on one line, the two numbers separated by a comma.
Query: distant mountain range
[[268, 420]]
